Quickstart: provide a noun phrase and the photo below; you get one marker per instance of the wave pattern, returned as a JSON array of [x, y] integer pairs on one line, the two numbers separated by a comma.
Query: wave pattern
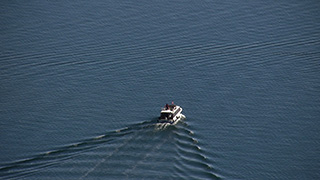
[[244, 67], [170, 152]]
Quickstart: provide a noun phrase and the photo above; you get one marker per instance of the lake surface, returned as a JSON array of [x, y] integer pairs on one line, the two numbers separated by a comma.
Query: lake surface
[[82, 84]]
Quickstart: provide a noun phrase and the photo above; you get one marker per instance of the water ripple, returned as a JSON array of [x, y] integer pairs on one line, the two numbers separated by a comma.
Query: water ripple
[[158, 152]]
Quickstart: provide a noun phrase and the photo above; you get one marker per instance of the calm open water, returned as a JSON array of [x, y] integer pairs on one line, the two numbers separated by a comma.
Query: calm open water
[[82, 84]]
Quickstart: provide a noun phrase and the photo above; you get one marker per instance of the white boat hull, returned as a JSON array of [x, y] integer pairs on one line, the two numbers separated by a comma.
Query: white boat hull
[[171, 114], [173, 121]]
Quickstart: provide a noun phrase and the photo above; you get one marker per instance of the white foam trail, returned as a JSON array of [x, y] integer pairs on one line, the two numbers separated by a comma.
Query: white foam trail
[[194, 140], [155, 148], [161, 126], [119, 130], [101, 136], [104, 159]]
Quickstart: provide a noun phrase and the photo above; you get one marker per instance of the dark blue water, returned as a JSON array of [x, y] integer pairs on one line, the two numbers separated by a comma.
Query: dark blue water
[[82, 84]]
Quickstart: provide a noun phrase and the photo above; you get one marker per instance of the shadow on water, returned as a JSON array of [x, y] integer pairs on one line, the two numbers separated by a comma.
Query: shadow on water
[[142, 150]]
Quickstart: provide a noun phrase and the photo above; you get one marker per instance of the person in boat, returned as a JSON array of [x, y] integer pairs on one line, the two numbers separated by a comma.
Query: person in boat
[[167, 106]]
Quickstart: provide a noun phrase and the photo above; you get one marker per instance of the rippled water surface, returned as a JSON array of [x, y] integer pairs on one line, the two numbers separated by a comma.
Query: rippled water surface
[[82, 84]]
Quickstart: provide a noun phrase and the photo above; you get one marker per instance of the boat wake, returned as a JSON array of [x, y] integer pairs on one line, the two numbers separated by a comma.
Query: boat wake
[[143, 150]]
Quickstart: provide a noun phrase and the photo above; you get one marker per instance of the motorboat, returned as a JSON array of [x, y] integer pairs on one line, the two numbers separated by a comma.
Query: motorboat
[[171, 114]]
